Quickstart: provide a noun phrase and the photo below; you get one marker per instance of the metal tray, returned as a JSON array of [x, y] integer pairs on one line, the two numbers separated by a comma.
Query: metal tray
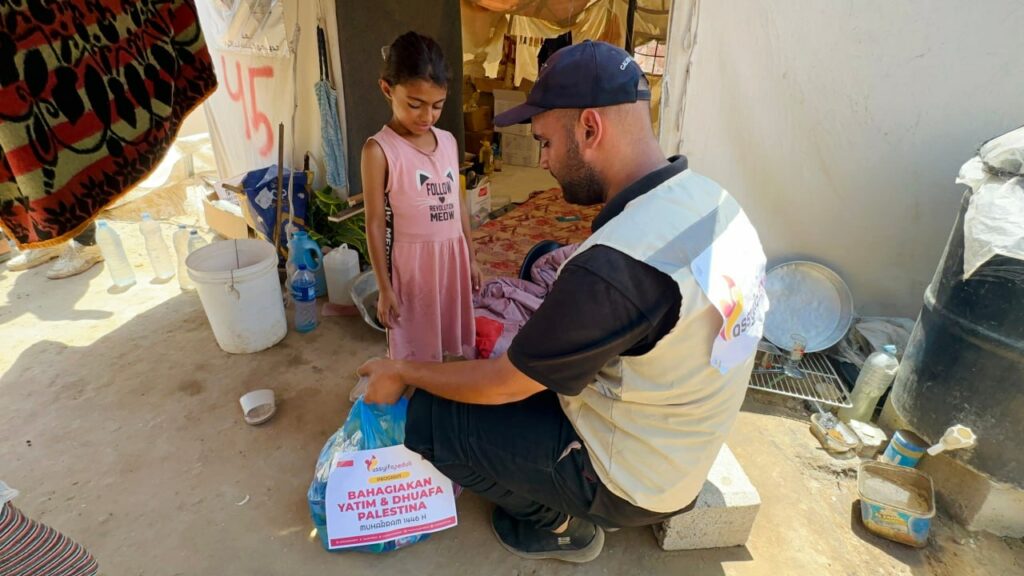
[[808, 299]]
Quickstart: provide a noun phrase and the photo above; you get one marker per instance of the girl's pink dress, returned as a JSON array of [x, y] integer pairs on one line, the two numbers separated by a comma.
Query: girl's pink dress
[[428, 259]]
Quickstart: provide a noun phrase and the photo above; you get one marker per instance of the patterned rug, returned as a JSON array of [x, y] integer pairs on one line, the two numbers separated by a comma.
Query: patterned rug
[[502, 243], [93, 93]]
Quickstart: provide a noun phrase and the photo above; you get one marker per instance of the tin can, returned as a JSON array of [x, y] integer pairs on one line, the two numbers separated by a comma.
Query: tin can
[[905, 449], [896, 502]]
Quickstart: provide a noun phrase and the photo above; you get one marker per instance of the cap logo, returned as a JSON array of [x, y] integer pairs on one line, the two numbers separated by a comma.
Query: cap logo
[[625, 63]]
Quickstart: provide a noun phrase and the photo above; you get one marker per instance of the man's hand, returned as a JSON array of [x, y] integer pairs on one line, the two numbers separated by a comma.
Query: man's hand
[[385, 384]]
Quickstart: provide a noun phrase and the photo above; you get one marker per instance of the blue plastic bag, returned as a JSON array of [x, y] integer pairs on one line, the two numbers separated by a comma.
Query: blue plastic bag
[[368, 426], [264, 211]]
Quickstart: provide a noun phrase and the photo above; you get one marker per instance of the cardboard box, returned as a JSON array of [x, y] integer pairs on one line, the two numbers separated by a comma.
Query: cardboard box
[[475, 140], [486, 99], [228, 223], [505, 100], [479, 201], [520, 150], [489, 84], [478, 119]]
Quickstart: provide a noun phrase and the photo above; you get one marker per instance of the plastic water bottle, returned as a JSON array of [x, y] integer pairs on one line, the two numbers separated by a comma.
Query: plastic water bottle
[[304, 295], [195, 241], [341, 266], [302, 248], [159, 255], [180, 241], [113, 254], [875, 378]]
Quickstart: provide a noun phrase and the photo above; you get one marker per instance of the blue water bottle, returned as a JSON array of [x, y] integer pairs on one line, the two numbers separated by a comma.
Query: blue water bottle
[[302, 248], [304, 296]]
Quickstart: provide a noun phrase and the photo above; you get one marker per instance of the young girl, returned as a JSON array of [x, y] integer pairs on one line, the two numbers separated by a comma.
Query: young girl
[[416, 225]]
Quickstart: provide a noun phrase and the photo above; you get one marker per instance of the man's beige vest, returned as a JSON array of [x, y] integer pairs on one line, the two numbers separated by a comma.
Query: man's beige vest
[[653, 424]]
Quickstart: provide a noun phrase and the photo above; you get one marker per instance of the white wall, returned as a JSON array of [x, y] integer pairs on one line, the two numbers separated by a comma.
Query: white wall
[[841, 125]]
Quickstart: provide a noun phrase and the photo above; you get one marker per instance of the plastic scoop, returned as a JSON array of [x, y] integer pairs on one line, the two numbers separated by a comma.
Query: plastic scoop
[[955, 438], [258, 406]]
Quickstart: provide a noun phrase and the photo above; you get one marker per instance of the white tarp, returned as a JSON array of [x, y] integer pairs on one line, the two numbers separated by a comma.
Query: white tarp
[[994, 223], [840, 125], [246, 26], [260, 88]]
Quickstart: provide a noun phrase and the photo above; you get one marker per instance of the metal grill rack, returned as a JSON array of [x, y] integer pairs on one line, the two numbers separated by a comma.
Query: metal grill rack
[[819, 383]]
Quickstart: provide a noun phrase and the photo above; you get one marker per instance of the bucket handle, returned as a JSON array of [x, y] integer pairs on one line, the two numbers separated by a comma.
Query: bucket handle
[[231, 287]]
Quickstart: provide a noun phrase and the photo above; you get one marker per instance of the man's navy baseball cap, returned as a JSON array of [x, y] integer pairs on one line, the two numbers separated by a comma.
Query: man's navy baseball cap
[[585, 75]]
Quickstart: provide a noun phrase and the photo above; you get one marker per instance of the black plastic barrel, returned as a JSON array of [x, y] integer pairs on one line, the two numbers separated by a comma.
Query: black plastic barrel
[[965, 360]]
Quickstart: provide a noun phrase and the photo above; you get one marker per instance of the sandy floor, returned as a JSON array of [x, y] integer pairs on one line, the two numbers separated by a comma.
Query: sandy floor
[[119, 423]]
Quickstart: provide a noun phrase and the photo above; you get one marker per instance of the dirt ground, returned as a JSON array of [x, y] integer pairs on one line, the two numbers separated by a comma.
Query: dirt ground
[[120, 424]]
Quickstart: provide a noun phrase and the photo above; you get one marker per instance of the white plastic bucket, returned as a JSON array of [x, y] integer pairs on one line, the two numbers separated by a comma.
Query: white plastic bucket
[[238, 284]]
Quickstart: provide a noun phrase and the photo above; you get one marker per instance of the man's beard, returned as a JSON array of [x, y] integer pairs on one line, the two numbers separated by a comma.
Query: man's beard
[[580, 182]]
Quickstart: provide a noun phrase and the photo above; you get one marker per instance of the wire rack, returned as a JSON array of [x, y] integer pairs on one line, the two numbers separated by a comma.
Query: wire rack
[[820, 382]]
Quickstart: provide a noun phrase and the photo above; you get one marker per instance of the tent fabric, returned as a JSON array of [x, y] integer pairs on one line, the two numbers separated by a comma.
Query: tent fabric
[[483, 35], [486, 22], [552, 10]]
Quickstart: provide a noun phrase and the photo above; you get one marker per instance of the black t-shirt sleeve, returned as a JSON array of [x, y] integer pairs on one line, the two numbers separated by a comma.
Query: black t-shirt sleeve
[[603, 305]]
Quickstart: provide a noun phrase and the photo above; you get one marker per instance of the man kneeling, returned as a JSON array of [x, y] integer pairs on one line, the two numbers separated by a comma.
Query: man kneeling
[[614, 399]]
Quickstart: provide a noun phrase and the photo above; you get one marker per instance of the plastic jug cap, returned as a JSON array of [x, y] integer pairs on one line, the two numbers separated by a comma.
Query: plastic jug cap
[[302, 266], [101, 223], [193, 233], [889, 349], [181, 226], [146, 216], [956, 437]]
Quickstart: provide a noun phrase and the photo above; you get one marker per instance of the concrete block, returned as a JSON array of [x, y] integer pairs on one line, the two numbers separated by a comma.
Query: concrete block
[[974, 499], [724, 514], [971, 497]]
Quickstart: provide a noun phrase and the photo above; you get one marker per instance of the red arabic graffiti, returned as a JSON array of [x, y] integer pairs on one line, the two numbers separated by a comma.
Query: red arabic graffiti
[[256, 122]]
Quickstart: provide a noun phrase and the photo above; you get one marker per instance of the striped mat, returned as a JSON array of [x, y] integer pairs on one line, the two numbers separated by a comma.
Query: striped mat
[[29, 548]]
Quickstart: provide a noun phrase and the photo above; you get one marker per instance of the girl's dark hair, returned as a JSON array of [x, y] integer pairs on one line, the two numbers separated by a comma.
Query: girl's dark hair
[[413, 56]]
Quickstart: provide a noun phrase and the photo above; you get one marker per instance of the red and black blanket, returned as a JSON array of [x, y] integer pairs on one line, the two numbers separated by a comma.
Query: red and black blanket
[[92, 93]]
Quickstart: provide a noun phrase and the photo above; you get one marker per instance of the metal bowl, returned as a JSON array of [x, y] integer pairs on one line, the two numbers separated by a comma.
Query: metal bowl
[[364, 293], [807, 300]]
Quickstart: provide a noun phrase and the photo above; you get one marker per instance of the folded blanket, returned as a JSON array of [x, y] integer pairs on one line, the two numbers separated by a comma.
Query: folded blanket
[[505, 304], [93, 93]]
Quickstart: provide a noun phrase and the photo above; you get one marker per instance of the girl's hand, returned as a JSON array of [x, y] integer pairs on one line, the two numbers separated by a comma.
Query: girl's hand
[[387, 308], [475, 276]]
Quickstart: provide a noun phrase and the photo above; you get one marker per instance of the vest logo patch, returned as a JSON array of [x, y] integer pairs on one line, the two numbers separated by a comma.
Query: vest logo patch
[[737, 318], [732, 309]]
